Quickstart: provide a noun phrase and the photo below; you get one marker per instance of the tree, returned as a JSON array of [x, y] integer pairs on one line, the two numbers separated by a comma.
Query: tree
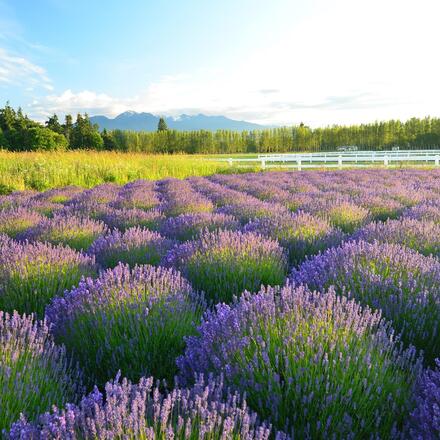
[[108, 140], [162, 125], [53, 124], [85, 135], [43, 139], [7, 118], [68, 128]]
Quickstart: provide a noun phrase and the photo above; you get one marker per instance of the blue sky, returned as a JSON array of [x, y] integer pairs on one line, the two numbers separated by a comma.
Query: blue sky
[[279, 61]]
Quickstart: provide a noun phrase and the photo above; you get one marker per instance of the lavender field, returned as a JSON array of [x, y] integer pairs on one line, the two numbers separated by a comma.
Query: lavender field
[[284, 305]]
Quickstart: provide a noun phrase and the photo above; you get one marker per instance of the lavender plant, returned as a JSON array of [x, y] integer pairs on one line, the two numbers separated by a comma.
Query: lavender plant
[[34, 372], [14, 221], [134, 246], [400, 282], [100, 194], [124, 219], [141, 411], [252, 208], [76, 232], [189, 226], [224, 263], [316, 366], [179, 198], [382, 208], [31, 274], [301, 234], [422, 236], [342, 214], [128, 320], [59, 195], [140, 195], [424, 211], [425, 419]]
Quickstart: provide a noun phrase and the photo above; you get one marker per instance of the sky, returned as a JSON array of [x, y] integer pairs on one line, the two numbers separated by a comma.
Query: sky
[[280, 62]]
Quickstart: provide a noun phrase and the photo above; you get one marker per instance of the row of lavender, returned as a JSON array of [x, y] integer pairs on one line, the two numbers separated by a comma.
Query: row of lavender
[[159, 268]]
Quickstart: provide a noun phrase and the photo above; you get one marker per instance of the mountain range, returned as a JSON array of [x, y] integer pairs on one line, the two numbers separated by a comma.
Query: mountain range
[[148, 122]]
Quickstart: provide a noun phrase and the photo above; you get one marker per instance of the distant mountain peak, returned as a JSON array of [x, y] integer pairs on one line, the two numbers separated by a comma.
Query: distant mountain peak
[[131, 120]]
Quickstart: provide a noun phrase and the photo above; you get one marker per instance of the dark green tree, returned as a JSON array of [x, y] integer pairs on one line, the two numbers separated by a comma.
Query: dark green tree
[[68, 128], [85, 135], [162, 125], [108, 141], [53, 124]]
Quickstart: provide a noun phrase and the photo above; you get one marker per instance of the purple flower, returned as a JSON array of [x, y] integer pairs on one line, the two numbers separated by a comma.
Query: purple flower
[[425, 419], [13, 221], [314, 365], [400, 282], [134, 246], [422, 236], [189, 226], [129, 320], [31, 274], [76, 232], [224, 263], [179, 198], [124, 219], [301, 234], [34, 372], [140, 194], [206, 410]]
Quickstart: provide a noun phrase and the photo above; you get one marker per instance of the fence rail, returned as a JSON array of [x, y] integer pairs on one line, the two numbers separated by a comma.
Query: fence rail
[[339, 159]]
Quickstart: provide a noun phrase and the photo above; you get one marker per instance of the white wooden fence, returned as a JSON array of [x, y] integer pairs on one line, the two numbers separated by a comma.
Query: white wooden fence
[[339, 159]]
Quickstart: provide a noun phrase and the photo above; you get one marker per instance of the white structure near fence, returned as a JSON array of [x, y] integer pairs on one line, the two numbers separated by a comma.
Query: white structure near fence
[[340, 159]]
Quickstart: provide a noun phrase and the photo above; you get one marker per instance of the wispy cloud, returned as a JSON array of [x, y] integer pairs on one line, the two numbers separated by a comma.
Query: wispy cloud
[[19, 71]]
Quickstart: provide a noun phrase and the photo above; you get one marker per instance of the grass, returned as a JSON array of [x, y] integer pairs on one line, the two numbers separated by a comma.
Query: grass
[[45, 170], [41, 171]]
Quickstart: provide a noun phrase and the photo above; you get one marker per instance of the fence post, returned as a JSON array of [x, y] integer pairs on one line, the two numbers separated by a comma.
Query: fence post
[[230, 162], [263, 164], [340, 161], [298, 161], [436, 161], [385, 161]]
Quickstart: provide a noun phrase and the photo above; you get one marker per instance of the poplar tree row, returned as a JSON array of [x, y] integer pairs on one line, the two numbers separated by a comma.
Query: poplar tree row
[[19, 133]]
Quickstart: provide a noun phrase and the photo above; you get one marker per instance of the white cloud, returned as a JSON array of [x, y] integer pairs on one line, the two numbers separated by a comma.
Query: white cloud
[[19, 71]]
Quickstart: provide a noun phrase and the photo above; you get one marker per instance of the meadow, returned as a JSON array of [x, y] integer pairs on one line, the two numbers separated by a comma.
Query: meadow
[[287, 305], [45, 170]]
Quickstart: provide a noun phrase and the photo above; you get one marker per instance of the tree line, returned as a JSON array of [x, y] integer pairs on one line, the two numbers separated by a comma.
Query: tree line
[[19, 133]]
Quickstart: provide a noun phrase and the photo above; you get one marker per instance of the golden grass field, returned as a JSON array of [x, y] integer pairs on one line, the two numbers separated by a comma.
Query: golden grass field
[[40, 171]]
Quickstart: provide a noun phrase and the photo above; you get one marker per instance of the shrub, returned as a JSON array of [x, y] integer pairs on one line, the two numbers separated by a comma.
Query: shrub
[[422, 236], [124, 219], [178, 197], [340, 213], [14, 221], [134, 246], [140, 195], [314, 365], [252, 208], [424, 211], [76, 232], [101, 194], [34, 373], [425, 419], [141, 411], [189, 226], [60, 195], [31, 274], [224, 263], [132, 321], [382, 208], [402, 283], [301, 234]]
